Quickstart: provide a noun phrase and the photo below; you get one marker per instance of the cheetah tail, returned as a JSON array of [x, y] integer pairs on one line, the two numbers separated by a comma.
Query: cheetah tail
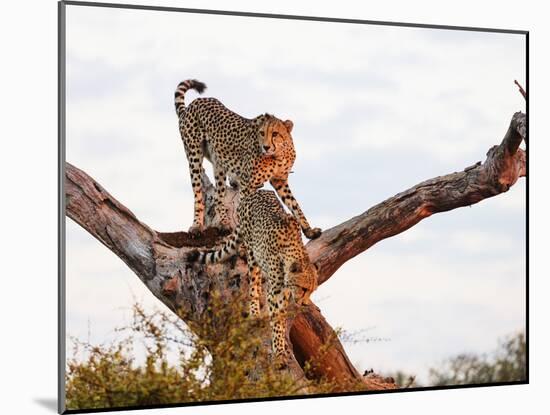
[[182, 88], [228, 249]]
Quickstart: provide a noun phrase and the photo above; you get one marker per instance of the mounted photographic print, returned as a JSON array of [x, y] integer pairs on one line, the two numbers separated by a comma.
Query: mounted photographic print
[[260, 206]]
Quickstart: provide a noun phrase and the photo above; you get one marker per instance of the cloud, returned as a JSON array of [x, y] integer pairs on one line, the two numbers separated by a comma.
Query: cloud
[[479, 242]]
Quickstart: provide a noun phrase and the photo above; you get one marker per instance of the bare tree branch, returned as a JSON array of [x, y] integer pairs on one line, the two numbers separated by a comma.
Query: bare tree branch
[[505, 163]]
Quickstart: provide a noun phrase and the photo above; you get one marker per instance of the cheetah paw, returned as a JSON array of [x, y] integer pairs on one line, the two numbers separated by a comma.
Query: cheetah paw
[[312, 233], [196, 230]]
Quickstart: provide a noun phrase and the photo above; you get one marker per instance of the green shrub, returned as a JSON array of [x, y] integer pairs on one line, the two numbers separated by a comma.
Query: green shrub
[[506, 364], [223, 358]]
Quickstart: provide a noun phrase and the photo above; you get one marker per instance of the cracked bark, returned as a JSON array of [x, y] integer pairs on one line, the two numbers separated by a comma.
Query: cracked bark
[[158, 258]]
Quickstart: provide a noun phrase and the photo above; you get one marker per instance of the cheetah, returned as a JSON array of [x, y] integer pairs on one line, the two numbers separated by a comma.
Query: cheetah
[[248, 151], [273, 244]]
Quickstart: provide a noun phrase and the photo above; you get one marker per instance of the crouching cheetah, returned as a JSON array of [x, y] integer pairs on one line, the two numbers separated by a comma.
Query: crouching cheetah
[[273, 245], [249, 151]]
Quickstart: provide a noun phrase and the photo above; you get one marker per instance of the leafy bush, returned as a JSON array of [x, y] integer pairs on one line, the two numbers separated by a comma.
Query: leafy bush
[[505, 364], [223, 358]]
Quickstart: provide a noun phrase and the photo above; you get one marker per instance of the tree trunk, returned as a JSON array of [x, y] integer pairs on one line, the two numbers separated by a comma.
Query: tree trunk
[[159, 259]]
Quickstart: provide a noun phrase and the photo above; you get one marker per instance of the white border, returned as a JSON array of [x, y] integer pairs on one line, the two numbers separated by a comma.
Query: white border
[[29, 74]]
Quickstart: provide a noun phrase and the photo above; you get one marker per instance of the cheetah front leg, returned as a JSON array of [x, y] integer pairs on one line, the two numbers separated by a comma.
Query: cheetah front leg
[[283, 190], [254, 285], [221, 211], [278, 300]]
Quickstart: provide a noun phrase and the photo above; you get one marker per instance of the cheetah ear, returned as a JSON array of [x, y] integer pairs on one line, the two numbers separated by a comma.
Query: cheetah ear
[[289, 125], [295, 267]]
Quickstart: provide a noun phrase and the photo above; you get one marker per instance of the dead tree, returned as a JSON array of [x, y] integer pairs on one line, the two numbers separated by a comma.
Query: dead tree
[[158, 259]]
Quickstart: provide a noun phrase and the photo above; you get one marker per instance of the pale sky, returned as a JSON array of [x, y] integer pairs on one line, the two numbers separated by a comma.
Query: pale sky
[[376, 109]]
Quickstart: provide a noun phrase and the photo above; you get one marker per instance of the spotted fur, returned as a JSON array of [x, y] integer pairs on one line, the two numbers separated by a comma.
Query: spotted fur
[[248, 151], [273, 245]]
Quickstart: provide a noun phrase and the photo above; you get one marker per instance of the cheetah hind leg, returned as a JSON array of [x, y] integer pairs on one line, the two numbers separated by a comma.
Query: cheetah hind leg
[[195, 157], [198, 227]]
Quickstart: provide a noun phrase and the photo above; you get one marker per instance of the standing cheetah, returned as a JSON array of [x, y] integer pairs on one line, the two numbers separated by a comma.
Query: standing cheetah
[[274, 245], [249, 151]]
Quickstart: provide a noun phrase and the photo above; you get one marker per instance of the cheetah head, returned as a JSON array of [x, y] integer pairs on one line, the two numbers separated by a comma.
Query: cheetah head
[[304, 281], [274, 136]]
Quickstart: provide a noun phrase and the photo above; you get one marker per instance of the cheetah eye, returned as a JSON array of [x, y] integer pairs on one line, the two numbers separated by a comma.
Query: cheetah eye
[[262, 133], [275, 134]]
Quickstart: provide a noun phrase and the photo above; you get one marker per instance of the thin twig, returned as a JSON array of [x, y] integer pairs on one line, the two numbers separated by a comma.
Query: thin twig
[[521, 90]]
